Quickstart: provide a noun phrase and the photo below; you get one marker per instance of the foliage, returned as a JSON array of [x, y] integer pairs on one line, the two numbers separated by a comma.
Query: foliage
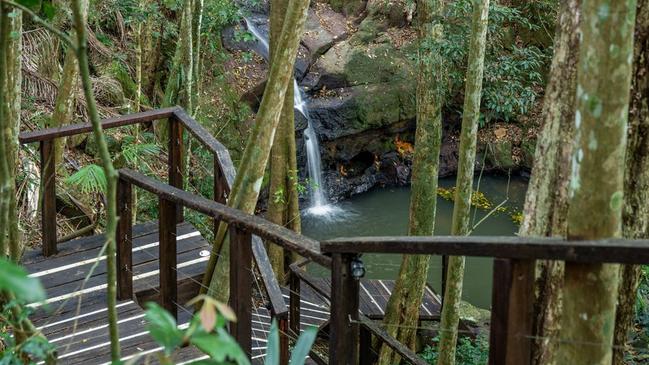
[[89, 179], [469, 352], [207, 331], [513, 71], [20, 289]]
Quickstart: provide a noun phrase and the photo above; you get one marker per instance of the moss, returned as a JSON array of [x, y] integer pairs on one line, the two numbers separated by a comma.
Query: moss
[[500, 155], [382, 104]]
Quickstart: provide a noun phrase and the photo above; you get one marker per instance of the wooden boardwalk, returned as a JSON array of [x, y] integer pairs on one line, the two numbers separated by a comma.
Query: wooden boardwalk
[[74, 317]]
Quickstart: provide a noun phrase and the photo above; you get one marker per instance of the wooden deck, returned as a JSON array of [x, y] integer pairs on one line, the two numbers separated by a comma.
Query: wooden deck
[[74, 317]]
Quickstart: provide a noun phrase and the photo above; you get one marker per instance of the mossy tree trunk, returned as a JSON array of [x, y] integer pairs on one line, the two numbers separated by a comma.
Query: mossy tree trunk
[[461, 212], [179, 88], [402, 311], [283, 175], [65, 101], [635, 217], [250, 174], [546, 203], [197, 28], [596, 192], [78, 12], [11, 128]]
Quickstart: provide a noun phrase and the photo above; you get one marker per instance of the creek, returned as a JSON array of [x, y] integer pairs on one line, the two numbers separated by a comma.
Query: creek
[[384, 212]]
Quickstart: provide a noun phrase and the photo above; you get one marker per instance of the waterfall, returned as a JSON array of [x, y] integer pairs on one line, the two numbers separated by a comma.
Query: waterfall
[[319, 205]]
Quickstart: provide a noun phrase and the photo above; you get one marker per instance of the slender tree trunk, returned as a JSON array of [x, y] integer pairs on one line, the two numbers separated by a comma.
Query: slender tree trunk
[[65, 101], [4, 168], [282, 188], [402, 311], [196, 52], [597, 185], [546, 204], [462, 209], [250, 174], [179, 84], [12, 125], [635, 217], [78, 12]]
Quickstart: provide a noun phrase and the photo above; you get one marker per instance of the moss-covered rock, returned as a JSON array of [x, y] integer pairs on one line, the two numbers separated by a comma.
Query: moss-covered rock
[[500, 155], [528, 148]]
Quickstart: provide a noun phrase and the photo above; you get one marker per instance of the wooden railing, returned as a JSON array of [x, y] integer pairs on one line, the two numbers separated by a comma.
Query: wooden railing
[[170, 211], [512, 312]]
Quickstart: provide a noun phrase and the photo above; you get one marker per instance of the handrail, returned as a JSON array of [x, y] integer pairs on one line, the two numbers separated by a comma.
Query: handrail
[[521, 248], [223, 166], [49, 134], [279, 235]]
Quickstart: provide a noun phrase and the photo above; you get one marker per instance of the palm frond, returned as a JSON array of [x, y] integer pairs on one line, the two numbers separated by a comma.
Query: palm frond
[[89, 179], [135, 153]]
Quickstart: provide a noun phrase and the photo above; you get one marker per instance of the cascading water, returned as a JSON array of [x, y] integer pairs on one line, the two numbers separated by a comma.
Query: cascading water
[[319, 205]]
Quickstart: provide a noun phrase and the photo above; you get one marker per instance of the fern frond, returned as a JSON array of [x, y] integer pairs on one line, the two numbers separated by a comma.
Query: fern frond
[[89, 179], [135, 153]]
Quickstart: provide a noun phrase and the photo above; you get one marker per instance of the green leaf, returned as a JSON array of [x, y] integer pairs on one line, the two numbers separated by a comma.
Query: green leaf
[[220, 346], [303, 346], [90, 179], [14, 279], [162, 327], [272, 348], [49, 10]]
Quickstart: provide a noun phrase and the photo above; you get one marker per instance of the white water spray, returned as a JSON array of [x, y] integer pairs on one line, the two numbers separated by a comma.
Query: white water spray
[[319, 204]]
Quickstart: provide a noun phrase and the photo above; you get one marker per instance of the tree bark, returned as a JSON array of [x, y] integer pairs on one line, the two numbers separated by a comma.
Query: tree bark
[[250, 174], [461, 211], [65, 102], [635, 217], [546, 203], [78, 12], [402, 311], [281, 209], [12, 128], [596, 191]]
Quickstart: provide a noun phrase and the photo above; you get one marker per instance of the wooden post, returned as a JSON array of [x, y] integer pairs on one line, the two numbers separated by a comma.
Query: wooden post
[[167, 229], [294, 302], [444, 277], [512, 313], [365, 350], [124, 240], [241, 282], [282, 323], [220, 188], [48, 198], [176, 159], [343, 340]]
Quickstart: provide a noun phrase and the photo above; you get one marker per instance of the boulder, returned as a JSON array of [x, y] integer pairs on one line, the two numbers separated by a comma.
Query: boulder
[[499, 155], [323, 28]]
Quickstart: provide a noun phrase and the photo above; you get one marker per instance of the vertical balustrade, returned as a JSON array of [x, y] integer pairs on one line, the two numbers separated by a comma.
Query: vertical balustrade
[[365, 347], [343, 338], [48, 198], [241, 282], [124, 240], [176, 159], [294, 302], [512, 312], [167, 228]]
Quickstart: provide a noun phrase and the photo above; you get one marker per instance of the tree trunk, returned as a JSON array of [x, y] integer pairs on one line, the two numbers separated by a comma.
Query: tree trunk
[[466, 167], [546, 203], [596, 192], [79, 8], [402, 311], [179, 84], [12, 125], [65, 102], [5, 175], [250, 174], [197, 27], [635, 217], [282, 187]]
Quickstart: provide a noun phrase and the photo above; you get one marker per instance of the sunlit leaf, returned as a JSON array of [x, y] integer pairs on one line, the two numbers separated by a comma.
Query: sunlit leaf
[[303, 346]]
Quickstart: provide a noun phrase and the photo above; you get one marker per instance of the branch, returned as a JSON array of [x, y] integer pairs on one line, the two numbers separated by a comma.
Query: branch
[[64, 37]]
